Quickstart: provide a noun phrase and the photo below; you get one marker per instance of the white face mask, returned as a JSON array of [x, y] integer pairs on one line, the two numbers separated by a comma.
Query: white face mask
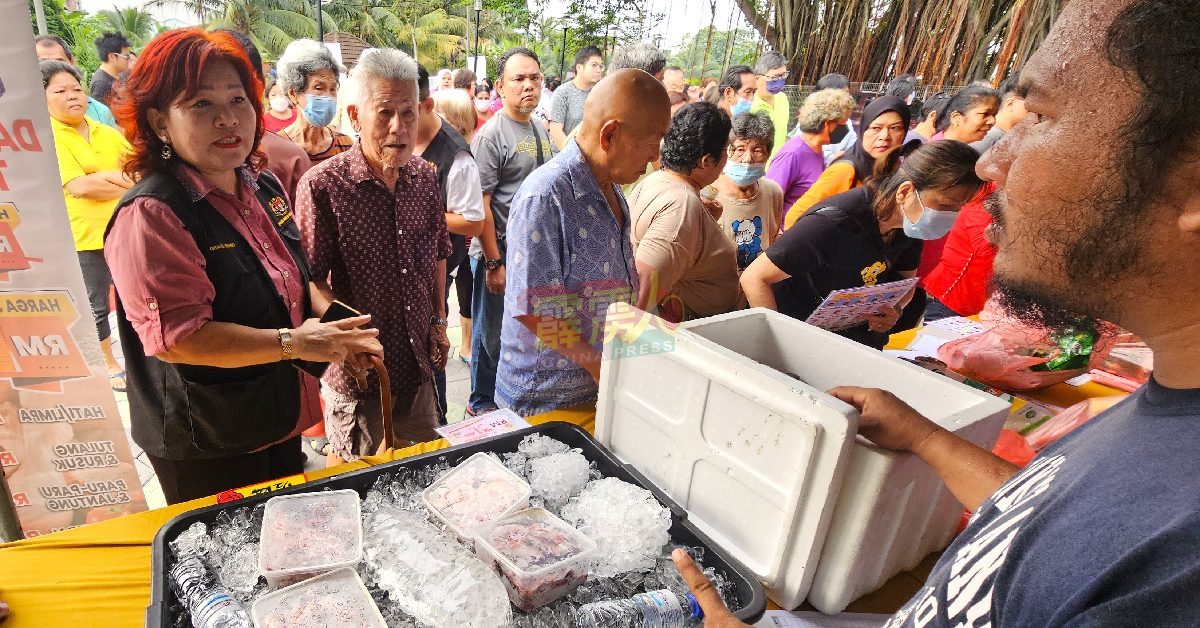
[[280, 104], [932, 225], [482, 105]]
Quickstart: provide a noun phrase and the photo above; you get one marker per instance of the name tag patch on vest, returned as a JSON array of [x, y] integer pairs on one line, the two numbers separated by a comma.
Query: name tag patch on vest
[[218, 247], [278, 206]]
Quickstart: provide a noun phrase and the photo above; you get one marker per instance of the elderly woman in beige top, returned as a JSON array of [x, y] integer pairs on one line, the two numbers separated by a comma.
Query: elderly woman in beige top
[[687, 266]]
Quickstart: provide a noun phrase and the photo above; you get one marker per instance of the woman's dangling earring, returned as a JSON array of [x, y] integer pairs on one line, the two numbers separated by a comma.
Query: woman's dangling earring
[[166, 151]]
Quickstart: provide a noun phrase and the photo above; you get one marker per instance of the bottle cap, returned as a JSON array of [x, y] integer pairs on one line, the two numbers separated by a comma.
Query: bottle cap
[[697, 612]]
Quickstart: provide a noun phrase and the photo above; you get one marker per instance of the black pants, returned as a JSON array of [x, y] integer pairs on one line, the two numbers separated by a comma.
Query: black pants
[[463, 284], [184, 480], [97, 279]]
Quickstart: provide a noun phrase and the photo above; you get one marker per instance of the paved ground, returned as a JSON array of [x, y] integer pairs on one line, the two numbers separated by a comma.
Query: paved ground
[[458, 388]]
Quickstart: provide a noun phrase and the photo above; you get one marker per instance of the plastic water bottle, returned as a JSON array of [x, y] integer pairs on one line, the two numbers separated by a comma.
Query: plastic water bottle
[[209, 603], [656, 609]]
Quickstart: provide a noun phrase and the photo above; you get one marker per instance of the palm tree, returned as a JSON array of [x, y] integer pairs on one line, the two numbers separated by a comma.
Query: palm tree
[[204, 10], [373, 21], [135, 24], [270, 24], [436, 38]]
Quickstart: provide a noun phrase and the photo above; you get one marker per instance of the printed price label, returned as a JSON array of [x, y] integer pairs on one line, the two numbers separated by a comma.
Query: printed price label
[[490, 424]]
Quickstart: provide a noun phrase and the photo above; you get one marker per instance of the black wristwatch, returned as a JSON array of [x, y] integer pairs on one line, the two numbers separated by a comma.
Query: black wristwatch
[[492, 264], [436, 320]]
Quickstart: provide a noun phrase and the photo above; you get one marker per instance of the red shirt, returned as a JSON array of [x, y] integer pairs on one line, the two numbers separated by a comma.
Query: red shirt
[[275, 125], [379, 249], [160, 273], [960, 279]]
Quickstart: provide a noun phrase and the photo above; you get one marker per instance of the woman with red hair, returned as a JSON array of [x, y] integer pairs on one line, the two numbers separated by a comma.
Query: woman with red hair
[[216, 316]]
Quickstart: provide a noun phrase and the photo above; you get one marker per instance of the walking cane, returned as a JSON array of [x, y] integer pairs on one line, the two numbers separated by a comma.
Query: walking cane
[[385, 402]]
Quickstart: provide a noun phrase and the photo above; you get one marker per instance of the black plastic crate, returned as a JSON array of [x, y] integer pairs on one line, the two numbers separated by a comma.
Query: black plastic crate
[[749, 591]]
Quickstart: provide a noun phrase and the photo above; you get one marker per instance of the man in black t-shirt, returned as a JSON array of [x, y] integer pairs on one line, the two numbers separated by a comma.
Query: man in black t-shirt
[[1095, 215], [113, 51]]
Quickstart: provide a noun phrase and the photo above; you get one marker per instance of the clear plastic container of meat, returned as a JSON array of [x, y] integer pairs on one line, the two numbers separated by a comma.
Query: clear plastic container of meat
[[309, 534], [540, 556], [337, 599], [479, 489]]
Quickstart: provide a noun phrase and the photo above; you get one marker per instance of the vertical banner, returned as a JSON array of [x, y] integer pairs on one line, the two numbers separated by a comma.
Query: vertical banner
[[62, 446]]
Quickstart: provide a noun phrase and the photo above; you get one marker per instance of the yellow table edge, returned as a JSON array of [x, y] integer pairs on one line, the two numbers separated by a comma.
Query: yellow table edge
[[99, 575]]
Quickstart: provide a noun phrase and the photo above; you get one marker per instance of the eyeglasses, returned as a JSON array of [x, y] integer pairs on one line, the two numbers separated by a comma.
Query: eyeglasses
[[125, 57], [757, 153], [776, 77]]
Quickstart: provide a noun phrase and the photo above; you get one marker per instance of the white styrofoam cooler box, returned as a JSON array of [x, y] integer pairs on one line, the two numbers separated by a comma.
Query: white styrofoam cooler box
[[769, 465], [754, 456]]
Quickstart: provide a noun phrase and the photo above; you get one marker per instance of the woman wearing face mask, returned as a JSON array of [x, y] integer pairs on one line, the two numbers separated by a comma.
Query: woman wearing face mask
[[868, 236], [822, 121], [752, 207], [280, 113], [483, 105], [881, 131], [686, 265], [309, 76], [969, 116]]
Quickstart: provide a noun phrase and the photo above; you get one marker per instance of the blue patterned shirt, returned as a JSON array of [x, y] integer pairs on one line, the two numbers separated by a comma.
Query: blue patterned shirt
[[568, 259]]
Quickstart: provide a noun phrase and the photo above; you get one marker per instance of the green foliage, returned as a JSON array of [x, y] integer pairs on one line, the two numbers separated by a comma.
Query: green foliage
[[690, 54], [135, 24], [56, 19]]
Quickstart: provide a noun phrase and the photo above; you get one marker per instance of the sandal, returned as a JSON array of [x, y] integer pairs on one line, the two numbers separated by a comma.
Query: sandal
[[320, 445], [117, 376]]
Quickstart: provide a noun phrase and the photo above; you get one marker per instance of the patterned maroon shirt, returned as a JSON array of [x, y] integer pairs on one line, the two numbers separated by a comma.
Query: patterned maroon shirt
[[379, 249]]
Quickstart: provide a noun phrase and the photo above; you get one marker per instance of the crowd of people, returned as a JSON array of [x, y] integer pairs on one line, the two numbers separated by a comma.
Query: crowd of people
[[271, 234], [231, 209]]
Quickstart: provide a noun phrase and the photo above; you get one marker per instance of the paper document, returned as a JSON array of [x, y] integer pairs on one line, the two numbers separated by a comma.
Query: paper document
[[483, 426], [844, 309], [959, 325], [927, 345], [813, 619]]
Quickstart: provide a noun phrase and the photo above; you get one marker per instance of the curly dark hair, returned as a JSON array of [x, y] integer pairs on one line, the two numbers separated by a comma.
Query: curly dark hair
[[698, 129], [1163, 128]]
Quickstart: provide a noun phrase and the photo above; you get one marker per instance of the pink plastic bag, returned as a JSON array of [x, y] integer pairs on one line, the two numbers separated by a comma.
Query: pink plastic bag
[[1002, 356]]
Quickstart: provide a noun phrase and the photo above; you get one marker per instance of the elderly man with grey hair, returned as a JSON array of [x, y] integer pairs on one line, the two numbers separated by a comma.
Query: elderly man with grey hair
[[752, 206], [640, 55], [375, 233], [308, 74], [771, 72]]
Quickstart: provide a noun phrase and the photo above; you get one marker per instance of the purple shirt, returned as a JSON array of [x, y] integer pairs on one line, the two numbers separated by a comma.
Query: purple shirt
[[795, 168]]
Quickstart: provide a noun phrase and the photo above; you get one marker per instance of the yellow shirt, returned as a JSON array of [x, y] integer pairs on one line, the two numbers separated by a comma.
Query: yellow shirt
[[780, 112], [77, 157]]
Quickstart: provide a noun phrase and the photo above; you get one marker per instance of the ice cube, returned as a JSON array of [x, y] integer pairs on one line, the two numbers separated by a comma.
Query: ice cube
[[193, 541], [558, 477], [516, 462], [536, 446], [431, 577], [627, 523]]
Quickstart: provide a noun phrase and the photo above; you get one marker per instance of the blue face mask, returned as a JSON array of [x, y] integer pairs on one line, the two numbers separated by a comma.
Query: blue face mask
[[319, 110], [744, 175], [776, 86], [932, 225], [741, 106]]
